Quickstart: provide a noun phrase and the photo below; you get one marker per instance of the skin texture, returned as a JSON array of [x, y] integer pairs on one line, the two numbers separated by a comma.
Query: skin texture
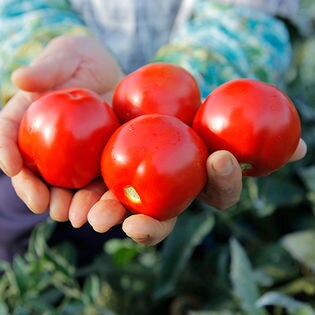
[[79, 61]]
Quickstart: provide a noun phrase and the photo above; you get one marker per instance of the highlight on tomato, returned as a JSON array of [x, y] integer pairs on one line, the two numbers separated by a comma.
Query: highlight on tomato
[[62, 136], [254, 120], [155, 165]]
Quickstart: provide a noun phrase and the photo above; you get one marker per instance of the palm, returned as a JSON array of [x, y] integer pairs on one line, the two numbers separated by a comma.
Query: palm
[[71, 61]]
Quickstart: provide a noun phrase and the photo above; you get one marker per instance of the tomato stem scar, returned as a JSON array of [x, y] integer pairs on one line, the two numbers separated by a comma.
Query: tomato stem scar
[[132, 194]]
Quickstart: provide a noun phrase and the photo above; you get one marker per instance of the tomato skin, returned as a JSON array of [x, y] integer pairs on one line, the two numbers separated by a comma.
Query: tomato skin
[[62, 136], [161, 159], [157, 88], [255, 121]]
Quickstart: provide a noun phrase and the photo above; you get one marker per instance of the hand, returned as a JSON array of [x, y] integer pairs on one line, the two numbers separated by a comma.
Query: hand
[[80, 61], [68, 61]]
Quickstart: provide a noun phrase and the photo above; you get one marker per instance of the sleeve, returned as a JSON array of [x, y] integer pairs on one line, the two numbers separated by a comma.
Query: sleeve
[[25, 28], [224, 41]]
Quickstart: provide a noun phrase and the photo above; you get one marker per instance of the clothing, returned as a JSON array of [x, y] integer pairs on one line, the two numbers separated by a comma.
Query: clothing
[[214, 40], [13, 216], [223, 42], [134, 30]]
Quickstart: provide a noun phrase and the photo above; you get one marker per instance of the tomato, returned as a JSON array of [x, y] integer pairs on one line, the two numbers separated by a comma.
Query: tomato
[[157, 88], [155, 165], [255, 121], [62, 136]]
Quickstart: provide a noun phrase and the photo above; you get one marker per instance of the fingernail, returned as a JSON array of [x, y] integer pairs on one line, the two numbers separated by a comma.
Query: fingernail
[[222, 165]]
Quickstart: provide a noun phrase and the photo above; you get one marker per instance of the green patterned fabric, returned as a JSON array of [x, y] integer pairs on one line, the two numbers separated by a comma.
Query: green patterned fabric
[[25, 28], [218, 43], [224, 42]]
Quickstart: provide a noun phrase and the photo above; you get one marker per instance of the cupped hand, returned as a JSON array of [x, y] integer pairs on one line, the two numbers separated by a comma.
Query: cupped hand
[[66, 61], [81, 61]]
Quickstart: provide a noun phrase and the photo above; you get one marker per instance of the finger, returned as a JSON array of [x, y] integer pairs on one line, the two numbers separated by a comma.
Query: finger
[[146, 230], [48, 71], [60, 200], [10, 118], [70, 61], [224, 180], [83, 200], [300, 151], [106, 213], [32, 190]]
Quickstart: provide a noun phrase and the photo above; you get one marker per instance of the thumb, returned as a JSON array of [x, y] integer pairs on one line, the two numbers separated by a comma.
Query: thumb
[[52, 68]]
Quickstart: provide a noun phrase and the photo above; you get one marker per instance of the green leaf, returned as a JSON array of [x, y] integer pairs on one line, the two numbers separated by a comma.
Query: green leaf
[[122, 251], [308, 176], [189, 231], [270, 192], [39, 237], [243, 280], [224, 312], [301, 246], [300, 285], [21, 274], [91, 289], [273, 264], [279, 299], [4, 309]]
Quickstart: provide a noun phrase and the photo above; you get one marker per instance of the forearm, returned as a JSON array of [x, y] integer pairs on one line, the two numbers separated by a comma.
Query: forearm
[[26, 28]]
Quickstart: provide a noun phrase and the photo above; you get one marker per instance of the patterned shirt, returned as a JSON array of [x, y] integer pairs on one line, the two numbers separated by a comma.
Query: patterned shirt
[[216, 40]]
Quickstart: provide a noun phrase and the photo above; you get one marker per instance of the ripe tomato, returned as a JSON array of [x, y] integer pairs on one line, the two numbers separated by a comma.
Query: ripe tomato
[[157, 88], [62, 136], [255, 121], [155, 165]]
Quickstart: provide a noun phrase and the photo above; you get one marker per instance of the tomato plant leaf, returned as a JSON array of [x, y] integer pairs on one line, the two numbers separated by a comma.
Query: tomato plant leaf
[[122, 251], [191, 228], [243, 280], [301, 285], [221, 312], [308, 176], [301, 246], [273, 264], [279, 299]]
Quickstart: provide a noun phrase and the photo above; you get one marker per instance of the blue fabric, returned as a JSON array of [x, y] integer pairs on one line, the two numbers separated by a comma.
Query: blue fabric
[[224, 42]]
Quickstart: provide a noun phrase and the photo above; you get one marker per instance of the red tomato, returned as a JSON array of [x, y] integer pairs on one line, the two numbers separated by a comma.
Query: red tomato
[[157, 88], [62, 136], [155, 165], [255, 121]]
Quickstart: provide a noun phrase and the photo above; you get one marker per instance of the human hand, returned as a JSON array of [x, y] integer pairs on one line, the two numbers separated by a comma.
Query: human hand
[[79, 61], [67, 61]]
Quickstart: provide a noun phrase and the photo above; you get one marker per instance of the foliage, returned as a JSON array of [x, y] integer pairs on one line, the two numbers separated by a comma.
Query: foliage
[[255, 258]]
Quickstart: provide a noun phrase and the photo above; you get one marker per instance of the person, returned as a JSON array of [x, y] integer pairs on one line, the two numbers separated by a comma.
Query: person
[[94, 44]]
